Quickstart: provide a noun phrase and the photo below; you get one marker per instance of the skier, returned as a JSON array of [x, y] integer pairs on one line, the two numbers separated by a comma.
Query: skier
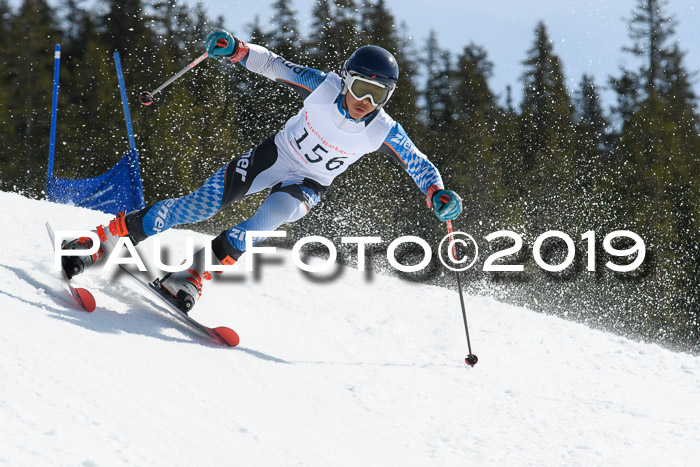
[[342, 119]]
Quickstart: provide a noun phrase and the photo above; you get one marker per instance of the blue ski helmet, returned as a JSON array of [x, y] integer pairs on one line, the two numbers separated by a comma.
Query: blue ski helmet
[[371, 71]]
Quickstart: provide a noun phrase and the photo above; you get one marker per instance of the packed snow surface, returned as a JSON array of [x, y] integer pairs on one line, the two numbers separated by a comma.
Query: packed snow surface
[[333, 369]]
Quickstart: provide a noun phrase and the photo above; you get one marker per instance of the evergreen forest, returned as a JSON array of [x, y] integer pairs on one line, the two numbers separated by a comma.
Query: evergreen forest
[[557, 160]]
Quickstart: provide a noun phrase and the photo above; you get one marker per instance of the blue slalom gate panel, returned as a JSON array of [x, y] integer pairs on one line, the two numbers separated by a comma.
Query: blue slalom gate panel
[[119, 189]]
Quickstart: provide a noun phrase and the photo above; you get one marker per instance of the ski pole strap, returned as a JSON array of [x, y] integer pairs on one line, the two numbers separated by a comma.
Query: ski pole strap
[[429, 195], [241, 51]]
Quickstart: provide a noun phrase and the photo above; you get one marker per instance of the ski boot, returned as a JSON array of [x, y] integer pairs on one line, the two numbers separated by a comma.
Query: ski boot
[[183, 288], [108, 235]]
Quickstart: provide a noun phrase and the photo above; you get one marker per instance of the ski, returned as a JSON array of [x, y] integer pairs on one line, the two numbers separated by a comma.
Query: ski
[[81, 296], [220, 335]]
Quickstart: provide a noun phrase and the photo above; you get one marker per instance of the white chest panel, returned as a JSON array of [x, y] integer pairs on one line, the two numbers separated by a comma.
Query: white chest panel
[[322, 142]]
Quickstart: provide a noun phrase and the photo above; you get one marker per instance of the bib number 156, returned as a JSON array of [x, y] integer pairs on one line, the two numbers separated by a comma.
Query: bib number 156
[[317, 153]]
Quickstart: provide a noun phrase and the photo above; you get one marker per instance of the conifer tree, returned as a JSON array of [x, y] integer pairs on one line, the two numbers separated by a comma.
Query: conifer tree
[[440, 107], [591, 133], [5, 16], [546, 137], [438, 98], [29, 85], [439, 101], [506, 145], [126, 31], [124, 25], [284, 35], [90, 109], [627, 87], [173, 27], [664, 124], [650, 31], [6, 127], [319, 37], [77, 23], [677, 90], [333, 34], [476, 168], [346, 31], [657, 169]]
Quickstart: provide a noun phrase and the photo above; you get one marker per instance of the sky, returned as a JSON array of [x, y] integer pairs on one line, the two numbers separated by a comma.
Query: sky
[[588, 35]]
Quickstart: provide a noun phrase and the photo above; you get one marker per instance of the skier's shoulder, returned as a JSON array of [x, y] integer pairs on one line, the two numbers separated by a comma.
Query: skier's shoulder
[[326, 90], [386, 120], [397, 141], [332, 79]]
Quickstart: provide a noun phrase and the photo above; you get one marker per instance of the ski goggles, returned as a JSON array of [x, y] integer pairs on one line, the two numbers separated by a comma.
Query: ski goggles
[[362, 88]]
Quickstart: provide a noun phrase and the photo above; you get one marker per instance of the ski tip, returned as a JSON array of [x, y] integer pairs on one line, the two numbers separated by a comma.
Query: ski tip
[[87, 301], [229, 336]]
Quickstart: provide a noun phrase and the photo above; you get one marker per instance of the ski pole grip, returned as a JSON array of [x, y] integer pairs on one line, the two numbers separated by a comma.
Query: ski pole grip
[[221, 42]]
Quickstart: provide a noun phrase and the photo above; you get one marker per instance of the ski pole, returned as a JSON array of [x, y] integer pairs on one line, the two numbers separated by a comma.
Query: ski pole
[[146, 97], [471, 358]]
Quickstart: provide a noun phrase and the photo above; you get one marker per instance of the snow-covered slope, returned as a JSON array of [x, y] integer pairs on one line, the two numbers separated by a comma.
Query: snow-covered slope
[[346, 371]]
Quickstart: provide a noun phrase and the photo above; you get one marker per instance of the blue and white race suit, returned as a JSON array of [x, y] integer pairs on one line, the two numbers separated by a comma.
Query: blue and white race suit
[[297, 164]]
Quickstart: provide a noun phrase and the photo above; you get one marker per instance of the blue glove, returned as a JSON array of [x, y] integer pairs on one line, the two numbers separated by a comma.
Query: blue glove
[[221, 44], [447, 204]]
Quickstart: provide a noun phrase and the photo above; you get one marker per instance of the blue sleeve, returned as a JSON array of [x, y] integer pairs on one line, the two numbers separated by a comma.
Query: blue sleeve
[[400, 146], [302, 79]]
